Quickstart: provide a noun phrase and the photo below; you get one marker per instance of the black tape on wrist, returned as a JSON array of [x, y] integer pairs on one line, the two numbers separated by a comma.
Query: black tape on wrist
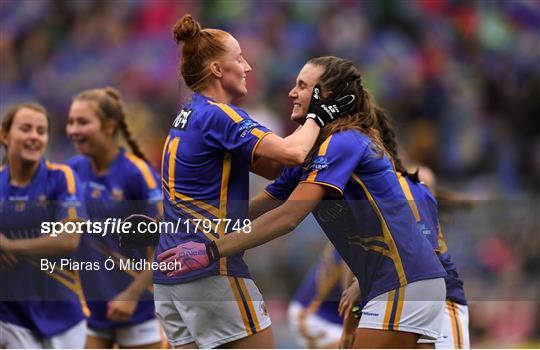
[[213, 252]]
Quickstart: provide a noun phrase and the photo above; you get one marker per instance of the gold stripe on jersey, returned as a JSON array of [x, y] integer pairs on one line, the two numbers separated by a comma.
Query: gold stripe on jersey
[[225, 177], [229, 111], [70, 180], [388, 238], [260, 135], [199, 204], [163, 153], [68, 173], [407, 191], [73, 285], [144, 168], [443, 248], [322, 152], [173, 148], [195, 215]]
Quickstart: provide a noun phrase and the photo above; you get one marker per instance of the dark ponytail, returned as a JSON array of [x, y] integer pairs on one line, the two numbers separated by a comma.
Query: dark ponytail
[[365, 115]]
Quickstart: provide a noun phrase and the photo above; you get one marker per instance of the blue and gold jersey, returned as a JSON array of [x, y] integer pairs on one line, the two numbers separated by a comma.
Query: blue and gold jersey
[[205, 176], [372, 226], [424, 207], [129, 186], [320, 291], [46, 303]]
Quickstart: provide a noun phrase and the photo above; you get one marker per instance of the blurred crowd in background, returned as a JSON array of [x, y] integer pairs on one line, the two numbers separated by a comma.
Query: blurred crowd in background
[[458, 77]]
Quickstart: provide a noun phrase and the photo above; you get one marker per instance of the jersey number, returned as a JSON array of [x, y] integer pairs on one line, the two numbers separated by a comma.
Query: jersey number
[[181, 120]]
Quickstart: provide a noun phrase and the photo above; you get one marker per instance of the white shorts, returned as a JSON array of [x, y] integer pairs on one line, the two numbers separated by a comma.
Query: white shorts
[[210, 311], [312, 331], [17, 337], [140, 334], [416, 308], [455, 327]]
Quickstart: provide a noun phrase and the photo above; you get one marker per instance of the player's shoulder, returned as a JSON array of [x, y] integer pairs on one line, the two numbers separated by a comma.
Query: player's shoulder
[[226, 111], [78, 162], [132, 165], [349, 140], [62, 175]]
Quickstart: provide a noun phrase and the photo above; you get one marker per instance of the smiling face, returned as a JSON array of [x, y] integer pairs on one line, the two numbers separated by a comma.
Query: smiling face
[[300, 94], [84, 128], [28, 136], [234, 69]]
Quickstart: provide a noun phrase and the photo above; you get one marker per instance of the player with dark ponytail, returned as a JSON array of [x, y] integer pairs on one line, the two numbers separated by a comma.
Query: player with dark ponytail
[[116, 183], [351, 185]]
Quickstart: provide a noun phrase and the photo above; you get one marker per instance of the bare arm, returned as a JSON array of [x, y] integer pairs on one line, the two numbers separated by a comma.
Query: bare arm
[[122, 307], [41, 246], [292, 150], [260, 204], [274, 223]]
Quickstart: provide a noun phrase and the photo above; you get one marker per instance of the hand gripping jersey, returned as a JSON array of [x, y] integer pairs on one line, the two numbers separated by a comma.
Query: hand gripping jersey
[[372, 226], [424, 207], [130, 186], [205, 176], [320, 290], [46, 303]]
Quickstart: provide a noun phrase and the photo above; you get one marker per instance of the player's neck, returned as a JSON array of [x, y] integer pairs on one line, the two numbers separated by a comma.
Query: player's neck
[[21, 172], [102, 161], [217, 93]]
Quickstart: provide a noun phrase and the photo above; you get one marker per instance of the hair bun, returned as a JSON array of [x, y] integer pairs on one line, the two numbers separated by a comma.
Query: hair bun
[[186, 29], [112, 92]]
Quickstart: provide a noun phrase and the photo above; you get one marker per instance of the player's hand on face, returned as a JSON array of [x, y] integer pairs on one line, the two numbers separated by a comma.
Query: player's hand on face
[[326, 110], [183, 258], [121, 308], [349, 298]]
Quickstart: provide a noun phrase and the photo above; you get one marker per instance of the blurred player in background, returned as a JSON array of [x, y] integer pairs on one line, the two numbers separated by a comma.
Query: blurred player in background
[[372, 227], [455, 330], [116, 184], [207, 156], [313, 311], [39, 308]]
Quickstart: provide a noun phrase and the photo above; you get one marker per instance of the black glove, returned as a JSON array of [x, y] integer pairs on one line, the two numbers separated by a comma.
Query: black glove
[[326, 111], [134, 238]]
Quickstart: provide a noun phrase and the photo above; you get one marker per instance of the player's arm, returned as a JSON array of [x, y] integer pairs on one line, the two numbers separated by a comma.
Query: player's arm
[[260, 204], [274, 223], [288, 151], [123, 305], [271, 225], [43, 245], [350, 324]]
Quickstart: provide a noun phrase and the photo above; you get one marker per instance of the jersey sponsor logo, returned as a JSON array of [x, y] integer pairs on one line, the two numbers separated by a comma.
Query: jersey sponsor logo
[[262, 308], [424, 229], [246, 126], [367, 313], [319, 163], [182, 119], [117, 194]]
